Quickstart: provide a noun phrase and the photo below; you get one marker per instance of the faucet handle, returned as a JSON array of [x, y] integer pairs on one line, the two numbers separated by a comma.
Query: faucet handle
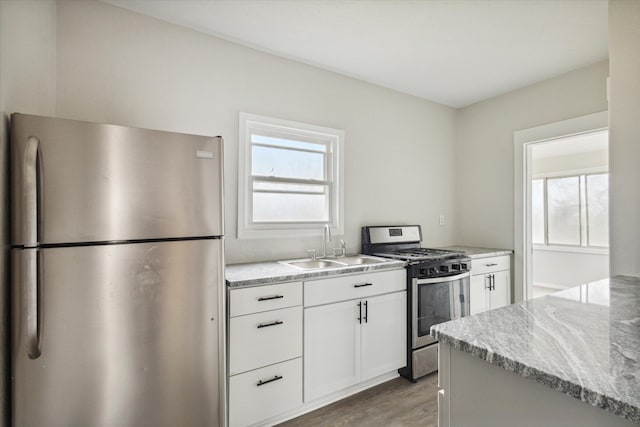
[[340, 251], [312, 253]]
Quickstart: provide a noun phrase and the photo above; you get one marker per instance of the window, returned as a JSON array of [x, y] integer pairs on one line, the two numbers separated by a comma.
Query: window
[[571, 210], [290, 178]]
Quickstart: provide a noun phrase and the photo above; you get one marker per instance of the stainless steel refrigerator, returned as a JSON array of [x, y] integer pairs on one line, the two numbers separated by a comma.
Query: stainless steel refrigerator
[[117, 276]]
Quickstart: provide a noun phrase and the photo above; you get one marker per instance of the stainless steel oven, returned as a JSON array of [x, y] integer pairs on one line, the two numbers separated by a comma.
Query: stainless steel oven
[[434, 301]]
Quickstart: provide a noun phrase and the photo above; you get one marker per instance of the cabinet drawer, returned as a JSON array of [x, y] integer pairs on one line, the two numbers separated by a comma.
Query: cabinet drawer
[[487, 265], [263, 298], [351, 287], [265, 338], [250, 403]]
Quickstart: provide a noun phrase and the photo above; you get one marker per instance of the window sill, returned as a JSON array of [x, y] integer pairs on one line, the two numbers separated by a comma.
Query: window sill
[[274, 233], [571, 249]]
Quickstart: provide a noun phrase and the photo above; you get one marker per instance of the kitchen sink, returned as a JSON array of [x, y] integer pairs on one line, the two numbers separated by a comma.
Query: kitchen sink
[[359, 260], [312, 264]]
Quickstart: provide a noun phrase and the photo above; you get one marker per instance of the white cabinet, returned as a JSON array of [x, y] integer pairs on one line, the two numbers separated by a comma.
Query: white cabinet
[[348, 342], [265, 352], [490, 283], [384, 345], [331, 348]]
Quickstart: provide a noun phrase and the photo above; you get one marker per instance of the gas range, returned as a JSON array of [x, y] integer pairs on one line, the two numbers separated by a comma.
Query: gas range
[[421, 254], [403, 243]]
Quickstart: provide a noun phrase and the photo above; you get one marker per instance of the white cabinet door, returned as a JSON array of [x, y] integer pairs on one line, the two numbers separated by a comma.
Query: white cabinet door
[[266, 392], [262, 339], [499, 295], [384, 334], [478, 295], [331, 348]]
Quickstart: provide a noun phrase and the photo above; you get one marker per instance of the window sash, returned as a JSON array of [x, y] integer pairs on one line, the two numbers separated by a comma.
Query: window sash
[[584, 224], [324, 191]]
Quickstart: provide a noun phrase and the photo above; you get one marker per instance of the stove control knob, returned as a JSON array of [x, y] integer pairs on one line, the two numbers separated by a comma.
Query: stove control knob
[[424, 272], [444, 268], [463, 266], [433, 270], [455, 266]]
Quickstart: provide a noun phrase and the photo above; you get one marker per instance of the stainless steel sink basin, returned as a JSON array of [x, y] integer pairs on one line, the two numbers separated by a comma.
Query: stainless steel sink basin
[[360, 259], [312, 264]]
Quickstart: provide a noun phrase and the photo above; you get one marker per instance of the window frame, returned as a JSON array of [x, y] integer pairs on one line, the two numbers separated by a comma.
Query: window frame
[[250, 124], [583, 214]]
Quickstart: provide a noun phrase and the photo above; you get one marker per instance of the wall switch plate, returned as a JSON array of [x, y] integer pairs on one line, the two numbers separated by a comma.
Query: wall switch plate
[[441, 219]]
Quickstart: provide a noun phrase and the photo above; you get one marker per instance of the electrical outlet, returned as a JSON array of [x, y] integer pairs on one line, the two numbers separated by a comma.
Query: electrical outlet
[[441, 219]]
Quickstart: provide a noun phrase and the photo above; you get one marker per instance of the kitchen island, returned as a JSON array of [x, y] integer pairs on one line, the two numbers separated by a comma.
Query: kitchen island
[[567, 359]]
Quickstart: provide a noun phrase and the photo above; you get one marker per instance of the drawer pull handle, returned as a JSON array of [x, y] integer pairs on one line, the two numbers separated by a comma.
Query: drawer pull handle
[[266, 325], [276, 378], [362, 285], [490, 265], [270, 298]]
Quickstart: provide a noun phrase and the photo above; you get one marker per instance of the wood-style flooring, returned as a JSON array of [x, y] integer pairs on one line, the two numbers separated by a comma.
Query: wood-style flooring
[[396, 403]]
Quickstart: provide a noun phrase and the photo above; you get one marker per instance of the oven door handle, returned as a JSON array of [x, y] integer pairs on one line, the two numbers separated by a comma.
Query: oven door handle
[[441, 279]]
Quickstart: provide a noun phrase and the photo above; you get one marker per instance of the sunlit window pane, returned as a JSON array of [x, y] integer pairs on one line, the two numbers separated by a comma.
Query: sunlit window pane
[[285, 163], [286, 207], [537, 210], [598, 209], [563, 200], [288, 143]]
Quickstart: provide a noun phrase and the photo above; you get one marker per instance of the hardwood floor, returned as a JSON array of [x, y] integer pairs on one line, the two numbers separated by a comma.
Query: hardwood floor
[[396, 403]]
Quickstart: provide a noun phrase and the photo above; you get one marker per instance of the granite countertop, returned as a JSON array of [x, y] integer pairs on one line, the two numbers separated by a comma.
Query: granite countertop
[[474, 252], [583, 341], [264, 273]]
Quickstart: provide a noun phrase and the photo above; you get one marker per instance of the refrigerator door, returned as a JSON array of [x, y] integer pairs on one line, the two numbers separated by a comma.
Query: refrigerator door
[[126, 335], [76, 181]]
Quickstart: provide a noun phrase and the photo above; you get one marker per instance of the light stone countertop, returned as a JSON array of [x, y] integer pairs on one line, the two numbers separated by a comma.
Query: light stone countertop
[[475, 252], [265, 273], [583, 342]]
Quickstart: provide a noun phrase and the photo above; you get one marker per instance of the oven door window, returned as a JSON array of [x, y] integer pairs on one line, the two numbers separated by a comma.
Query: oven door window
[[440, 302]]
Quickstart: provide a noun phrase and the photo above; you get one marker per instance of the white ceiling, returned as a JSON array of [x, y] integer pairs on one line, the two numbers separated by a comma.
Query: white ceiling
[[454, 52]]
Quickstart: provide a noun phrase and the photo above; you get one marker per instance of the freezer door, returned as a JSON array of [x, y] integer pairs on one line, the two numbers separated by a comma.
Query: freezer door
[[126, 335], [76, 181]]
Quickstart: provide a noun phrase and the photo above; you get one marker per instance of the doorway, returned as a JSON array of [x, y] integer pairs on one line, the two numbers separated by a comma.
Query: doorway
[[550, 164], [569, 202]]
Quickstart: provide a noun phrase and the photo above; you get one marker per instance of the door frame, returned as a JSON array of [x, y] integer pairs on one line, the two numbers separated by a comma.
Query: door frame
[[523, 141]]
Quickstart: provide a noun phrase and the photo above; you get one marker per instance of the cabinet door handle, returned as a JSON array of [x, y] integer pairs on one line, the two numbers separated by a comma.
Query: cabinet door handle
[[366, 312], [266, 325], [360, 312], [361, 285], [493, 282], [270, 298], [270, 380], [488, 276]]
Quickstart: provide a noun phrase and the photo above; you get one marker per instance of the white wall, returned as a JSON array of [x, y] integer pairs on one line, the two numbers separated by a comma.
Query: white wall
[[27, 83], [567, 164], [484, 149], [624, 136], [120, 67], [564, 268]]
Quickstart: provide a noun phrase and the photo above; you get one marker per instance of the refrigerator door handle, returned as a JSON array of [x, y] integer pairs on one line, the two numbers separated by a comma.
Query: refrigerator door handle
[[31, 290], [30, 192]]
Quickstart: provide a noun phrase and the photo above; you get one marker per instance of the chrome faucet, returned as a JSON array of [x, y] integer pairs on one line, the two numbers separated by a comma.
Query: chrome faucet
[[326, 237]]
